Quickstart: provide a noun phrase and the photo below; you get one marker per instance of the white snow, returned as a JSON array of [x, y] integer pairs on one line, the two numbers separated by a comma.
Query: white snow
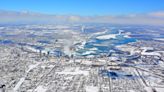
[[90, 56], [102, 60], [149, 53], [147, 48], [32, 67], [99, 33], [19, 84], [76, 72], [159, 89], [86, 62], [93, 49], [131, 91], [83, 43], [92, 89], [109, 36], [41, 89], [160, 39], [50, 66], [23, 78], [88, 52], [120, 32], [149, 89], [127, 36], [130, 49], [113, 58], [113, 36], [32, 49]]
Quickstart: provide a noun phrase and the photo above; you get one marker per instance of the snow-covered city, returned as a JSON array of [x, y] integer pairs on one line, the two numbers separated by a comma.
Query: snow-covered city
[[69, 58], [81, 45]]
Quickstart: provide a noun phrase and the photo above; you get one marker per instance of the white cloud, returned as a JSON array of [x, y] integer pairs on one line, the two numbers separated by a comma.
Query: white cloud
[[157, 14], [153, 18]]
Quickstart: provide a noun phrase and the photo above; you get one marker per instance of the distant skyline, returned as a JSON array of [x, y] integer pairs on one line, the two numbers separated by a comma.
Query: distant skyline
[[84, 7], [144, 12]]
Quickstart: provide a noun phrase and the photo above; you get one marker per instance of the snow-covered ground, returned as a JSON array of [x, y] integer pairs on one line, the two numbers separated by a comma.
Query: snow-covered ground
[[20, 82], [41, 89], [154, 53], [160, 39], [159, 89], [130, 49], [75, 72], [109, 36], [88, 52], [32, 67], [99, 33], [92, 89]]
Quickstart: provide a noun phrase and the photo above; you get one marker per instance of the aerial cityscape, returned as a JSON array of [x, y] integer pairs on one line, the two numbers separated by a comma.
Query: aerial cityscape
[[74, 50]]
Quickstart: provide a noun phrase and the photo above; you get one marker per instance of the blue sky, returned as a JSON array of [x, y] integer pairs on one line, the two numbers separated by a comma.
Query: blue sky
[[84, 7], [144, 12]]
